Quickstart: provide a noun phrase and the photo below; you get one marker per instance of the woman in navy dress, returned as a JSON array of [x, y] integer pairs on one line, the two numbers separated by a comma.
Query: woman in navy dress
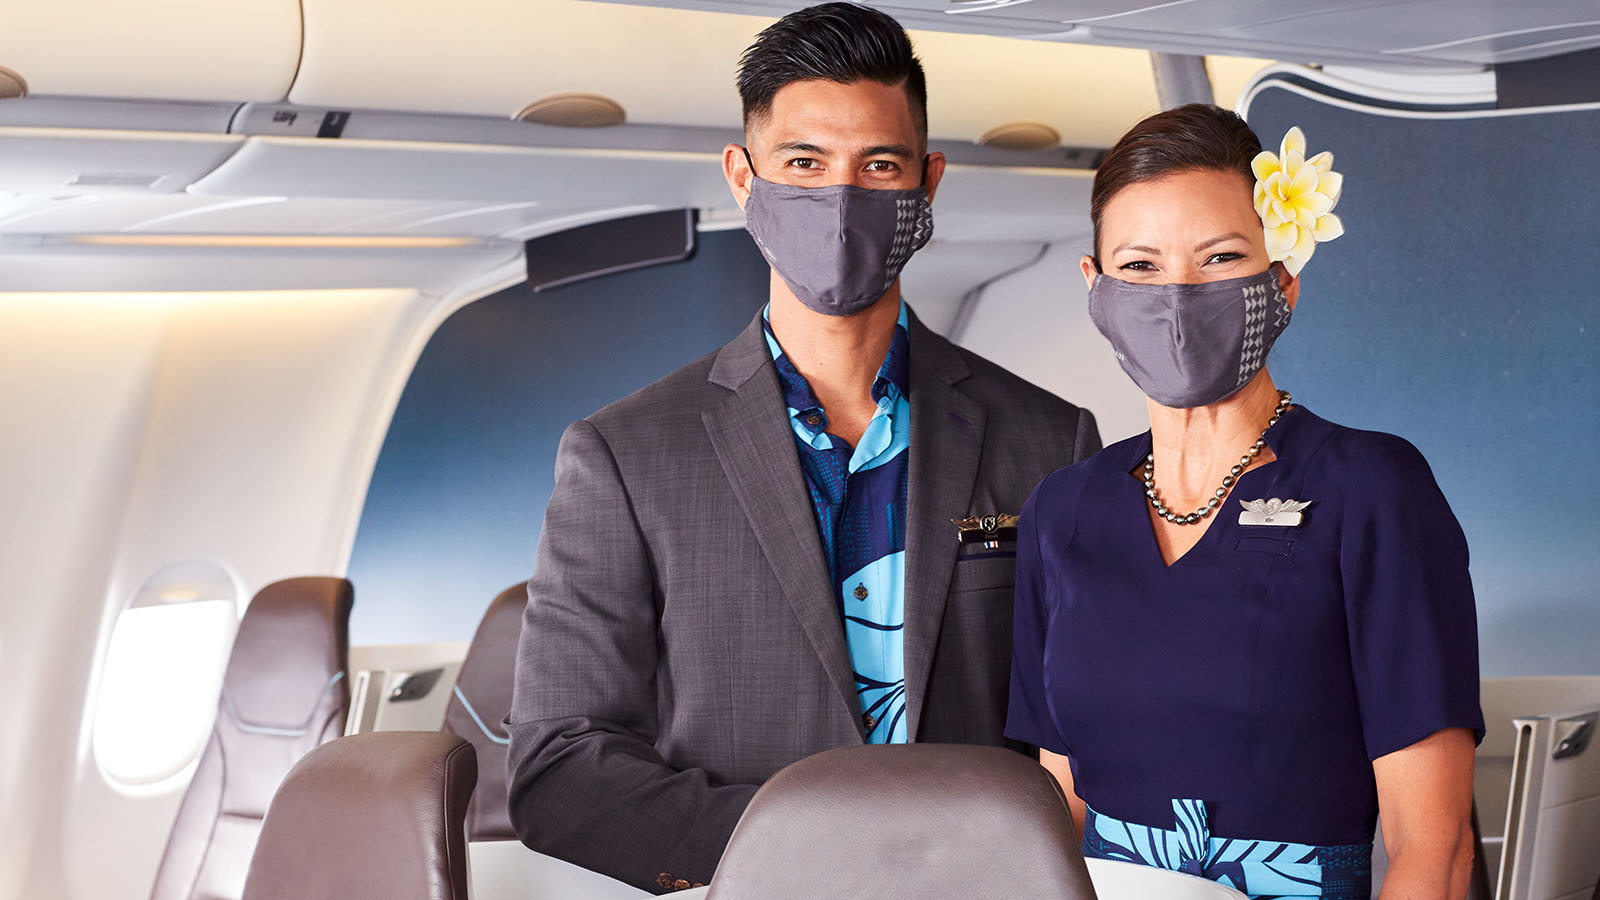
[[1242, 634]]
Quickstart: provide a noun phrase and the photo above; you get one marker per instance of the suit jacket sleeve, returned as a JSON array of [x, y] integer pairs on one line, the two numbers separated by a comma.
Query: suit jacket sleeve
[[586, 783], [1088, 438]]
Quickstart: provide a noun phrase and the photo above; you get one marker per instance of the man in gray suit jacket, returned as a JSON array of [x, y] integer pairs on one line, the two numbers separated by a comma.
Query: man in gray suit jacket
[[718, 592]]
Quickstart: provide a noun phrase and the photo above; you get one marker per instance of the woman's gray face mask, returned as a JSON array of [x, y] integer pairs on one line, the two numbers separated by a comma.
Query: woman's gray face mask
[[1188, 345], [839, 248]]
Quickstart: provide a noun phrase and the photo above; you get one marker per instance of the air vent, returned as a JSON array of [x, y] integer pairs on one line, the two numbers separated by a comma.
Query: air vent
[[114, 179], [1021, 136], [573, 111], [12, 85]]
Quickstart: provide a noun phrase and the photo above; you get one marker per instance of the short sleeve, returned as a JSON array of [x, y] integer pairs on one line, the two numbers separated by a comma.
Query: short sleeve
[[1028, 716], [1408, 601]]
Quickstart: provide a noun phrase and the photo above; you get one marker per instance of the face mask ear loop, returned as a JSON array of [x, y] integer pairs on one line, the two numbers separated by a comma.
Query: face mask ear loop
[[749, 161]]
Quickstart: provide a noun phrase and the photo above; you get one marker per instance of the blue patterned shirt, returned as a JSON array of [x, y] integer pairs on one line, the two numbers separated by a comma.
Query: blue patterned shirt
[[859, 497]]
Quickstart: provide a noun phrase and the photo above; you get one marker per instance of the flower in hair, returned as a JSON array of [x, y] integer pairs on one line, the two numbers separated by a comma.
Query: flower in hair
[[1295, 197]]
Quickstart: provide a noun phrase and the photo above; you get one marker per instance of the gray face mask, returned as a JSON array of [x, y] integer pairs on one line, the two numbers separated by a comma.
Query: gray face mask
[[839, 248], [1188, 345]]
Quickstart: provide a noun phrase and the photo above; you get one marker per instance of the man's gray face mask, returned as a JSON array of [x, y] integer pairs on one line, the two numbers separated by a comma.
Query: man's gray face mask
[[1188, 345], [839, 248]]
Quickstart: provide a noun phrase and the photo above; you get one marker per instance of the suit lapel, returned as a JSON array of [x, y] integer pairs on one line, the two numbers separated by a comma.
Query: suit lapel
[[750, 433], [946, 446]]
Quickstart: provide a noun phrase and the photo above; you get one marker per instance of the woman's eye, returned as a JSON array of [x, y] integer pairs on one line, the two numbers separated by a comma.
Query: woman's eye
[[1138, 265], [1228, 257]]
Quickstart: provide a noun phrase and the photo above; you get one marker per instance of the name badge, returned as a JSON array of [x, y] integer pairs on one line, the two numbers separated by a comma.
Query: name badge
[[1272, 512], [988, 530]]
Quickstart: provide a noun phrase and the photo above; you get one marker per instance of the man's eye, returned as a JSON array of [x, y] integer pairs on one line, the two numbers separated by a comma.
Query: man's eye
[[1138, 265], [802, 163], [881, 165]]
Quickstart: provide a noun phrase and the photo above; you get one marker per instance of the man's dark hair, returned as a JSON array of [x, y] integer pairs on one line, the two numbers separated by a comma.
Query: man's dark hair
[[839, 42], [1196, 136]]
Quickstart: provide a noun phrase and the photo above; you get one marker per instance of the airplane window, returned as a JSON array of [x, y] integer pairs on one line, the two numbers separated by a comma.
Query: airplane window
[[163, 671]]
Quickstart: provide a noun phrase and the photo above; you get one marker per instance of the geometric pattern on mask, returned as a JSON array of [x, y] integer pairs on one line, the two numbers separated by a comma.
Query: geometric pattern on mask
[[913, 225], [1261, 304]]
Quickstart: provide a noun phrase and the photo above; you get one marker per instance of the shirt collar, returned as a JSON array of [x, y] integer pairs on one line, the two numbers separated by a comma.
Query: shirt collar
[[893, 380]]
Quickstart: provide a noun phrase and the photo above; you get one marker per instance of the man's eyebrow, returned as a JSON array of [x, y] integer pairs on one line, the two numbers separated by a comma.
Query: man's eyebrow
[[900, 150], [1217, 240], [1139, 247], [802, 146]]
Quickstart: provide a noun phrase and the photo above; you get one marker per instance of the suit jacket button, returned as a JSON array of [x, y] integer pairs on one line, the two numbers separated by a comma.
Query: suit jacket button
[[869, 721], [860, 592], [664, 879], [682, 884]]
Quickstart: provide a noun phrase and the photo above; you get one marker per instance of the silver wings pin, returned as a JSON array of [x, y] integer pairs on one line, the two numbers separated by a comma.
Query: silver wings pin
[[1272, 512]]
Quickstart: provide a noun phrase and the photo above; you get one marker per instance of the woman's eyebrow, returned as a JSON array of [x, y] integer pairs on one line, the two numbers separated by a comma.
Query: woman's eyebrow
[[1139, 247], [1232, 235]]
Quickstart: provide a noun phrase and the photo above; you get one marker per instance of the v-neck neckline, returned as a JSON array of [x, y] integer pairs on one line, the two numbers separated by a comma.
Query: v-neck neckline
[[1151, 541]]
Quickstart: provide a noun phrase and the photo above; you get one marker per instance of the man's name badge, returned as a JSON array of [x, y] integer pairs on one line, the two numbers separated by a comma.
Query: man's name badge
[[1272, 512], [988, 530]]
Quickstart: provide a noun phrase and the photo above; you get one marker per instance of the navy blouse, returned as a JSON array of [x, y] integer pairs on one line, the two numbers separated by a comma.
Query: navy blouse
[[1266, 668]]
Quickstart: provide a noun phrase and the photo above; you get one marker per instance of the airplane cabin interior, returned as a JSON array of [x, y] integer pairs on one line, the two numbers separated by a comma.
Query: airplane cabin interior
[[298, 296]]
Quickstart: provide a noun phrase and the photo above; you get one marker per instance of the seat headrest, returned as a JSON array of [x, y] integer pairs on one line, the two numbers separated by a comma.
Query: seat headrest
[[370, 815], [292, 643], [480, 701], [899, 822]]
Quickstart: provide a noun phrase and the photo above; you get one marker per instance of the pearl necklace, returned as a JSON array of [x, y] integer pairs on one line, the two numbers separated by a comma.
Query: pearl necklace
[[1227, 480]]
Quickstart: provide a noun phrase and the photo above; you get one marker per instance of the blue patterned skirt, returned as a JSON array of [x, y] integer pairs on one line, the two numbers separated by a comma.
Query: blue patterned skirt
[[1265, 870]]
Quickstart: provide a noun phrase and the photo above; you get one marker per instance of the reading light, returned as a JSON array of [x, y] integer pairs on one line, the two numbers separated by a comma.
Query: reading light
[[12, 85], [1021, 136], [573, 111]]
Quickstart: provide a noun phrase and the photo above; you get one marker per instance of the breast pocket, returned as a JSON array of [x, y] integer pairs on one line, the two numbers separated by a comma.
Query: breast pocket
[[980, 569], [1261, 543]]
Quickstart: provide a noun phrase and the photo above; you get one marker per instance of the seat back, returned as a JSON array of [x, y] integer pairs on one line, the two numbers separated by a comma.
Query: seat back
[[284, 692], [905, 822], [478, 705], [369, 815]]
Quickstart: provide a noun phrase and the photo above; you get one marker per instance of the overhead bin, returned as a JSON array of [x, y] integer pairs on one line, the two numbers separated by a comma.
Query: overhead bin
[[235, 50], [1413, 33], [667, 66]]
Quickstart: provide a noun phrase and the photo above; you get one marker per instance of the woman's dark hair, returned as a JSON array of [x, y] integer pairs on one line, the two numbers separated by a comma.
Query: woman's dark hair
[[839, 42], [1196, 136]]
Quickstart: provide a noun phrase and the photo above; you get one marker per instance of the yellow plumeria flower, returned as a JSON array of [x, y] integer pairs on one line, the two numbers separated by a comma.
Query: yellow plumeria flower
[[1295, 198]]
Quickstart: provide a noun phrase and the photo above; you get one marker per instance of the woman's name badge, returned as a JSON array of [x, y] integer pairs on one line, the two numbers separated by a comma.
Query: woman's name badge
[[1272, 512]]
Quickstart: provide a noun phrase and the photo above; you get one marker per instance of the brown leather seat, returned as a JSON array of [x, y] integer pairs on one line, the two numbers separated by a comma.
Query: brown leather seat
[[284, 693], [376, 815], [905, 822], [478, 706]]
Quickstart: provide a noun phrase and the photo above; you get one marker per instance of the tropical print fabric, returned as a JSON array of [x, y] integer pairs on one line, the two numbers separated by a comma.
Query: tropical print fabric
[[859, 497], [1265, 870]]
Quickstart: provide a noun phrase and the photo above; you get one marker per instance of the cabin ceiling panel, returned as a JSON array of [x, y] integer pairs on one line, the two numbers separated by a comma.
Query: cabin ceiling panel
[[65, 267], [468, 173], [76, 161], [233, 50], [999, 205], [670, 66]]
